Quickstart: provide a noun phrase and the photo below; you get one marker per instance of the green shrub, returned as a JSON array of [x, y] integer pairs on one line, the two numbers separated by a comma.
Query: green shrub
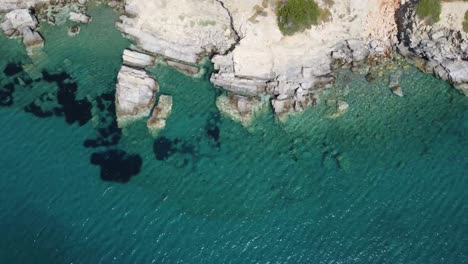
[[465, 23], [297, 15], [429, 10]]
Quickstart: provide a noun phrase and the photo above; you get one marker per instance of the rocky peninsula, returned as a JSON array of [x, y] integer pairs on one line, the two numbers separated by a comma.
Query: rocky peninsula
[[256, 62]]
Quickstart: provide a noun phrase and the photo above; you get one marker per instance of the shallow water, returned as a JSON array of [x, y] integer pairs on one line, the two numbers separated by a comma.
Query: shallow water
[[385, 183]]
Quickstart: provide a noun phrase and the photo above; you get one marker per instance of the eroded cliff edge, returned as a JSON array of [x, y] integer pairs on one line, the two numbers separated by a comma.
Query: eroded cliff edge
[[253, 59]]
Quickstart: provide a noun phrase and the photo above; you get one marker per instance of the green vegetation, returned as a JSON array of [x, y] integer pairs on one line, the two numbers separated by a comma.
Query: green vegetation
[[465, 23], [429, 10], [297, 15]]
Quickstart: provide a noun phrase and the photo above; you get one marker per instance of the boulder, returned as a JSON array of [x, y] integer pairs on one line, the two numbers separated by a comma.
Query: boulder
[[397, 90], [457, 71], [32, 39], [73, 31], [394, 84], [135, 92], [15, 21]]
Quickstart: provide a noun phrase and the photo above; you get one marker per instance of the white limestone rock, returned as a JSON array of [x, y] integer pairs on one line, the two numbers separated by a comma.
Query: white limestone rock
[[16, 21], [10, 5], [457, 71], [359, 50], [181, 30], [161, 113], [79, 18], [184, 68], [135, 92], [137, 59]]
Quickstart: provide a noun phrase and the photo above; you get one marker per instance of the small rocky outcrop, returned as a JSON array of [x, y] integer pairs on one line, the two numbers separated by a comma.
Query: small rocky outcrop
[[79, 18], [21, 23], [160, 114], [394, 84], [15, 21], [135, 93], [239, 108], [74, 30]]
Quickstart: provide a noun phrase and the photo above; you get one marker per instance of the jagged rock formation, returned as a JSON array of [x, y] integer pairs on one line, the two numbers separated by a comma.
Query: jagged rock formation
[[21, 23], [443, 47]]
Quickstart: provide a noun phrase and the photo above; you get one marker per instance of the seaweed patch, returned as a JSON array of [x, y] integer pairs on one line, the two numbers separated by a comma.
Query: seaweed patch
[[164, 148], [12, 69], [117, 165], [212, 128], [6, 95], [109, 133], [74, 110]]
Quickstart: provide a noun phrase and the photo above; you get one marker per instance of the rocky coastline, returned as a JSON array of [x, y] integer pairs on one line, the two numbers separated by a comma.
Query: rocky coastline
[[435, 49], [253, 61]]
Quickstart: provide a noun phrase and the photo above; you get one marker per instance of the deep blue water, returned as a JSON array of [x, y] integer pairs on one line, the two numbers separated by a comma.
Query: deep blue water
[[385, 183]]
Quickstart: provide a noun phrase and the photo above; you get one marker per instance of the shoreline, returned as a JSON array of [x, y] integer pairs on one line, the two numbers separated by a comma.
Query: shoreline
[[290, 78]]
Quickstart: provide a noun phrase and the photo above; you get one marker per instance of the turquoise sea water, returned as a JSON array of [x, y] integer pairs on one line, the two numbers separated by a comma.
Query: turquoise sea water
[[385, 183]]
